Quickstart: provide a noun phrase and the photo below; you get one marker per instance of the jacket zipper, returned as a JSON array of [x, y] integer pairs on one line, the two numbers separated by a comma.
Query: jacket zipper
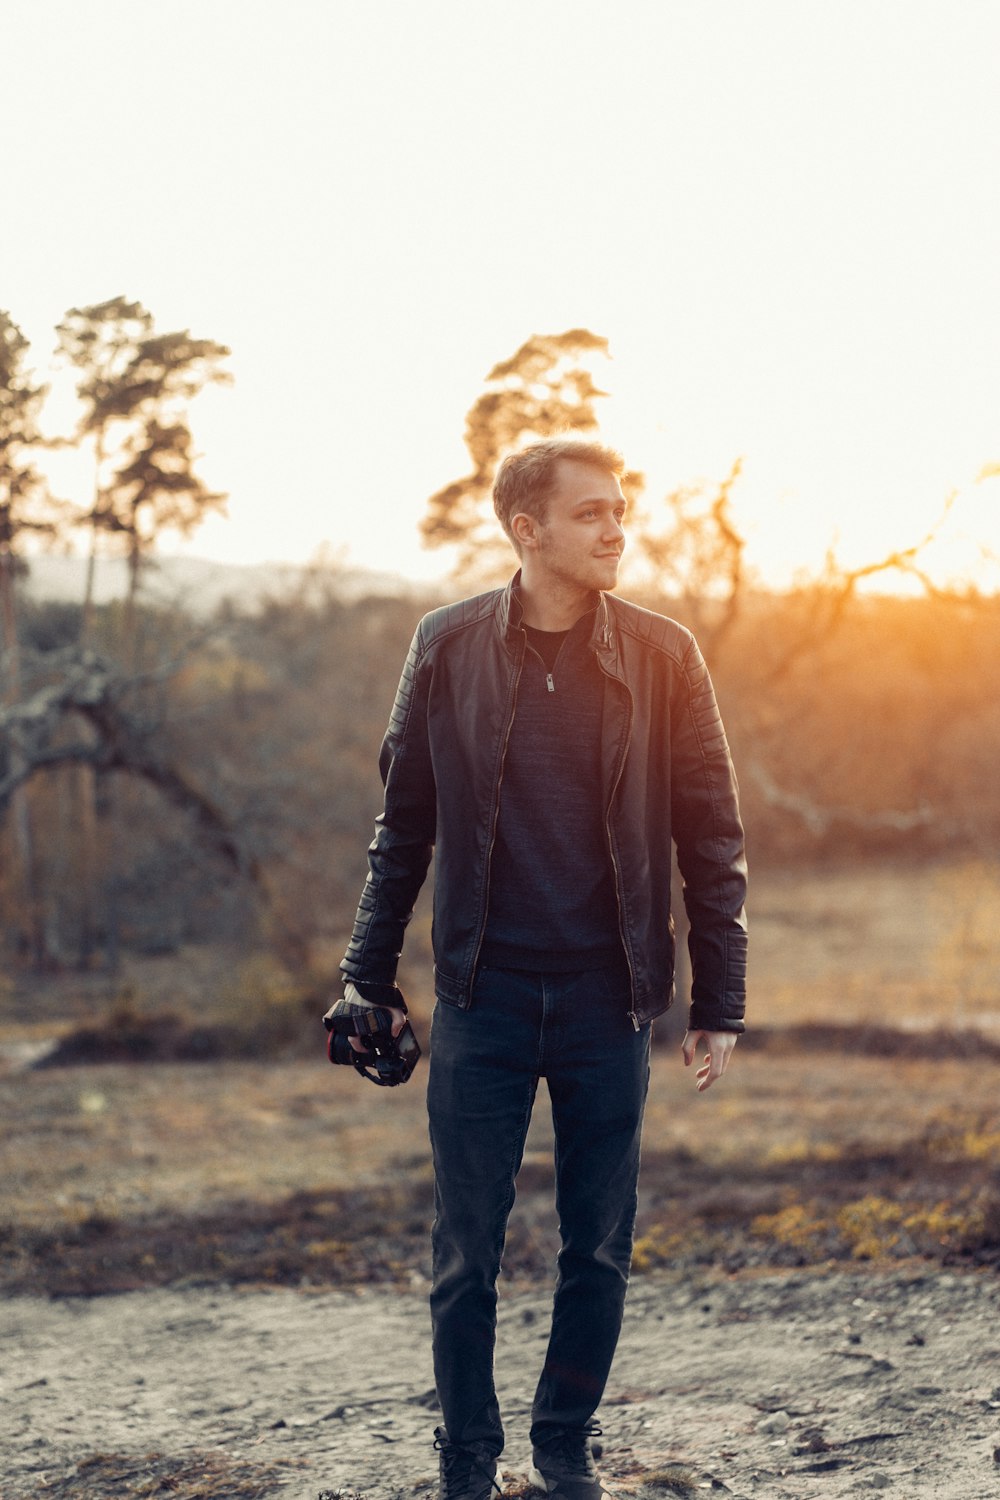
[[621, 919], [611, 845], [496, 815]]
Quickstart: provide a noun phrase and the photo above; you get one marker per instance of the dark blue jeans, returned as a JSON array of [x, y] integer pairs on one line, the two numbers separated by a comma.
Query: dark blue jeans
[[485, 1063]]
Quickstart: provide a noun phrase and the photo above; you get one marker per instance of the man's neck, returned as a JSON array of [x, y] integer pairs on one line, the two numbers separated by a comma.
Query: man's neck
[[557, 607]]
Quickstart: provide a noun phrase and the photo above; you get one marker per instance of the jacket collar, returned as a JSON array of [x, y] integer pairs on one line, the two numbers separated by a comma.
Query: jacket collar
[[510, 615]]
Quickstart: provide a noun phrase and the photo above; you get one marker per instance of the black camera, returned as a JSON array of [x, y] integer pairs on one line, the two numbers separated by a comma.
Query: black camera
[[383, 1058]]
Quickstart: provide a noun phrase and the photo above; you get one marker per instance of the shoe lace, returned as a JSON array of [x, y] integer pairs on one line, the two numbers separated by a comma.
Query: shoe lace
[[458, 1464], [571, 1447]]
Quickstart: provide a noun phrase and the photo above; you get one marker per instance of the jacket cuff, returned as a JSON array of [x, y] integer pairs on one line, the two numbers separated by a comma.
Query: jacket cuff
[[699, 1019], [377, 993]]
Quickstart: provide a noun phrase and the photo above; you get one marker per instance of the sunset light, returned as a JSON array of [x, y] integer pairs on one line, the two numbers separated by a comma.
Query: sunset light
[[500, 593], [782, 217]]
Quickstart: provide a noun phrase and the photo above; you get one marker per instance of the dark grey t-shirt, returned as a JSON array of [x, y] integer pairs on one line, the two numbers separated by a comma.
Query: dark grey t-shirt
[[552, 897]]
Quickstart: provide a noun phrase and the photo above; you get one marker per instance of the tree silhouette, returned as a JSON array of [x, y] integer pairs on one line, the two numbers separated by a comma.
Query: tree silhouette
[[135, 386], [102, 342], [698, 561], [543, 390], [26, 509], [26, 506], [155, 489]]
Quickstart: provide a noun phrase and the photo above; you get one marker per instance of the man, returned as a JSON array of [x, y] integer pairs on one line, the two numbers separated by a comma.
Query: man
[[547, 742]]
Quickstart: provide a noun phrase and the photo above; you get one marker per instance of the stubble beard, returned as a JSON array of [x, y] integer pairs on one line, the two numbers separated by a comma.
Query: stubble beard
[[608, 568], [592, 575]]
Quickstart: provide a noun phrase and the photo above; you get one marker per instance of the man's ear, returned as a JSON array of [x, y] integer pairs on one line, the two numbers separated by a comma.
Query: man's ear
[[525, 530]]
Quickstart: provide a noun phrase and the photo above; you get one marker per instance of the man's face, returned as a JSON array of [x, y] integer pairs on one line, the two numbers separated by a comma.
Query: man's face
[[580, 541]]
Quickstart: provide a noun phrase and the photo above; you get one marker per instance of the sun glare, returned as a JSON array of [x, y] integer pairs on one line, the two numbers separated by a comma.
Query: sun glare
[[791, 251]]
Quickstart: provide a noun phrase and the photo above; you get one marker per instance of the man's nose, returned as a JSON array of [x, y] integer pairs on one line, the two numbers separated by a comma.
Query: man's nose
[[614, 531]]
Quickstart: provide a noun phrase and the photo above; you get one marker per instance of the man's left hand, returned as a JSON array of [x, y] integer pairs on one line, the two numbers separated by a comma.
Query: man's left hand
[[719, 1043]]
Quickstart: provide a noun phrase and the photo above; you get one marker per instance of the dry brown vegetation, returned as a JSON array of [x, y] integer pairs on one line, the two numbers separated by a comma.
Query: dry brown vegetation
[[842, 1140], [869, 735], [115, 1476]]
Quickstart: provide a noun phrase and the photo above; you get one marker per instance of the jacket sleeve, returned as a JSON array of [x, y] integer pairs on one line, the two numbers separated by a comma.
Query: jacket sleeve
[[710, 850], [401, 850]]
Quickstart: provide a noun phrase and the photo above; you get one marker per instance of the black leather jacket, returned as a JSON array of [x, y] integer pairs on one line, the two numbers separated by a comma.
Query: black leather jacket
[[666, 770]]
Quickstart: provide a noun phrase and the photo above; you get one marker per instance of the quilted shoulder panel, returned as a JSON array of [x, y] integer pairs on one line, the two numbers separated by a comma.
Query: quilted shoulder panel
[[451, 617], [677, 642], [657, 631], [432, 630]]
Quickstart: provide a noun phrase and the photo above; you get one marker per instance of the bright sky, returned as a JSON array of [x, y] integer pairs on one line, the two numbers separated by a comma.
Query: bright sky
[[783, 215]]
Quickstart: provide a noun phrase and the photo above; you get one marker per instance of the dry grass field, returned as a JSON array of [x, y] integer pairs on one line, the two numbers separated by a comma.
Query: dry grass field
[[832, 1138]]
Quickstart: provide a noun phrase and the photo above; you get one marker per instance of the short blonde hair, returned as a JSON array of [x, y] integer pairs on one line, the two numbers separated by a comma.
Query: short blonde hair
[[525, 480]]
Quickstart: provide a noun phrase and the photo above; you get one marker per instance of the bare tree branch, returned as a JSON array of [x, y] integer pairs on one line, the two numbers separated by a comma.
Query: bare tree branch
[[839, 586], [126, 741], [819, 819]]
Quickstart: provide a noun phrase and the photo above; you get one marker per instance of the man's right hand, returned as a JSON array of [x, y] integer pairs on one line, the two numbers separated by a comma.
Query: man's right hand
[[398, 1022]]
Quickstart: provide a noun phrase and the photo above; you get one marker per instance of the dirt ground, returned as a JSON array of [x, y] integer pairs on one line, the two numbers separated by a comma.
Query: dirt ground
[[215, 1273], [790, 1386]]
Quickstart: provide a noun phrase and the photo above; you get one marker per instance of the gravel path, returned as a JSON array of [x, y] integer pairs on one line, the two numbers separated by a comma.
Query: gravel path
[[794, 1386]]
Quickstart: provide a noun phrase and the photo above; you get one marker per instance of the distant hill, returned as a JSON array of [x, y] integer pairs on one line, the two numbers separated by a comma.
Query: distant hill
[[199, 585]]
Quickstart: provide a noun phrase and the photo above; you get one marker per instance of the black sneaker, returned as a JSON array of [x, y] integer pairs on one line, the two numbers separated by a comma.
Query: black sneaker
[[563, 1465], [470, 1473]]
